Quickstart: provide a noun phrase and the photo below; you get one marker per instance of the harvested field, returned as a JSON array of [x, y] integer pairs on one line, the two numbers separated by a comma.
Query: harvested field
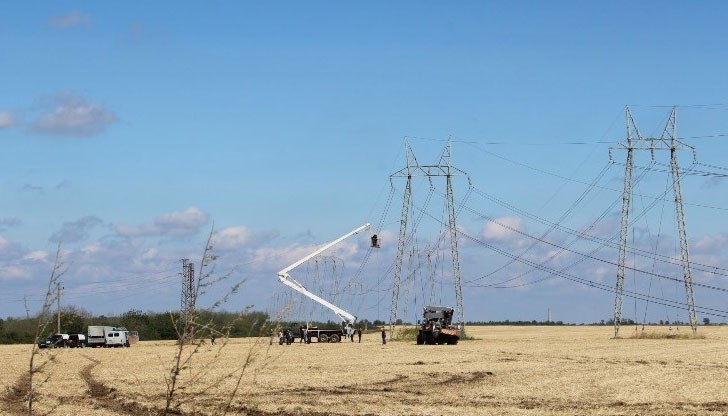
[[505, 371]]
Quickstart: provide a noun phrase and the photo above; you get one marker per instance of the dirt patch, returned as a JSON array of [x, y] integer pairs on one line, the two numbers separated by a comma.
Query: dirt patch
[[106, 397], [424, 363], [461, 378], [16, 396], [95, 388]]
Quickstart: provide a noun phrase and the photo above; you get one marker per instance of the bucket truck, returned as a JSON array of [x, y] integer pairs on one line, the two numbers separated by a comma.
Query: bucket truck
[[323, 335]]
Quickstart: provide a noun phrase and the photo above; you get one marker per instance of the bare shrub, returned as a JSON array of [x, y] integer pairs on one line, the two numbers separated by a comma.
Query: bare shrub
[[187, 380], [27, 386]]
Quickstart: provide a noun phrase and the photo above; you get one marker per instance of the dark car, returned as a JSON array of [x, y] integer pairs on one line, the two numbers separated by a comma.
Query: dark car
[[54, 341], [76, 341]]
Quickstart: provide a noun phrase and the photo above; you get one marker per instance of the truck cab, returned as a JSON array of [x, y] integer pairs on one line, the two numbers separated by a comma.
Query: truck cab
[[436, 326]]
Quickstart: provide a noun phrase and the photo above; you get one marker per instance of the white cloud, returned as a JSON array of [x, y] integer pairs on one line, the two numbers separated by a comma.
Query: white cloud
[[240, 236], [179, 223], [265, 258], [63, 184], [15, 273], [28, 187], [9, 222], [233, 237], [711, 244], [10, 250], [73, 19], [504, 229], [7, 119], [91, 249], [75, 231], [150, 254], [70, 115], [37, 255]]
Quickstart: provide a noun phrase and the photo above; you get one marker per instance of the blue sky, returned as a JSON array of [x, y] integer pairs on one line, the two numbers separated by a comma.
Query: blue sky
[[129, 129]]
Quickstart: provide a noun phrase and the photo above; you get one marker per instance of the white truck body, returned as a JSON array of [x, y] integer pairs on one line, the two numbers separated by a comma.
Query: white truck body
[[107, 336]]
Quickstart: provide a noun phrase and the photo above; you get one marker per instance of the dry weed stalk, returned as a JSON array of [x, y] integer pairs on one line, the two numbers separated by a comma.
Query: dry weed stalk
[[43, 321], [185, 381]]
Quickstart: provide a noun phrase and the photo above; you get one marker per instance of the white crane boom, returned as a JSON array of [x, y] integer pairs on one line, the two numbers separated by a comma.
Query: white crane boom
[[286, 279]]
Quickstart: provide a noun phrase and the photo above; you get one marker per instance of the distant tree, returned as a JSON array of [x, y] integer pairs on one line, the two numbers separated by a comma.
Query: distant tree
[[73, 320], [706, 321]]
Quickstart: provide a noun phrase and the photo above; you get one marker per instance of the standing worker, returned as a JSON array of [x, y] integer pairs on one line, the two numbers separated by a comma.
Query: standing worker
[[384, 336], [358, 332]]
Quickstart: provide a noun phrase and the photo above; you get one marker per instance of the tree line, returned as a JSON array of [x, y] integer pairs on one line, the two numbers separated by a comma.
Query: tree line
[[149, 325]]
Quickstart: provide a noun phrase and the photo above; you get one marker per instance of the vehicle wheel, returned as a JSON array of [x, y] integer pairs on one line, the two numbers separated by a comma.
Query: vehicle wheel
[[334, 338], [323, 338], [420, 339]]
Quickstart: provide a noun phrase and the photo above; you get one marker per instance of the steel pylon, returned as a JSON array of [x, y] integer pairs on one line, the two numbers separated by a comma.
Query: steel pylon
[[413, 169], [667, 141]]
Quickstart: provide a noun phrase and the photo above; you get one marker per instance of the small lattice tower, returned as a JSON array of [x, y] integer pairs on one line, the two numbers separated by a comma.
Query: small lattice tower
[[189, 298]]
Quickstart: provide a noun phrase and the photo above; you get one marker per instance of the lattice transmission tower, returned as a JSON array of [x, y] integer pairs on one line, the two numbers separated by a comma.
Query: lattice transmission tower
[[666, 141], [443, 169], [189, 298]]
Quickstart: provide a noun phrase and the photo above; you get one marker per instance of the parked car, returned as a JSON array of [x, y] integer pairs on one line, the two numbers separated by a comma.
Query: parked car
[[76, 341], [54, 341]]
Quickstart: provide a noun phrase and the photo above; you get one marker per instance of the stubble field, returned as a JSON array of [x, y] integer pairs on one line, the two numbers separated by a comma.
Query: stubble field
[[505, 371]]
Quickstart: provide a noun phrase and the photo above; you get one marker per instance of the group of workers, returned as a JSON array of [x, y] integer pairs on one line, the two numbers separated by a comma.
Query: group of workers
[[350, 331], [284, 336]]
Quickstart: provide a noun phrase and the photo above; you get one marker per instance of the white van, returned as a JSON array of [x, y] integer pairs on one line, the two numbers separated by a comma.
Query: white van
[[117, 338], [108, 336]]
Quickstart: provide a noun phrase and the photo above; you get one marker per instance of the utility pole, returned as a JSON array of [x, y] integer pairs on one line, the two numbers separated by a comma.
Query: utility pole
[[667, 141], [58, 299]]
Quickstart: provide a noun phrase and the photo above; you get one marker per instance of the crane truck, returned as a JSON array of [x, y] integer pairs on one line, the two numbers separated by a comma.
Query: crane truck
[[348, 320]]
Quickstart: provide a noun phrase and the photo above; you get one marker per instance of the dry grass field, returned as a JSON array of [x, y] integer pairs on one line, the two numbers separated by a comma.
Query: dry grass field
[[505, 371]]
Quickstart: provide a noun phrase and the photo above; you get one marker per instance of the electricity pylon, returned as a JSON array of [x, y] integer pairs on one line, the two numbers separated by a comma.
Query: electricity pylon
[[444, 169], [667, 141], [189, 299]]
